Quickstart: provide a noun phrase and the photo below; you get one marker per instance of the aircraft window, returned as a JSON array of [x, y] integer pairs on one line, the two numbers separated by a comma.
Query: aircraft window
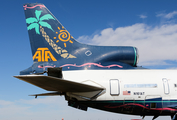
[[153, 105], [175, 85], [140, 85]]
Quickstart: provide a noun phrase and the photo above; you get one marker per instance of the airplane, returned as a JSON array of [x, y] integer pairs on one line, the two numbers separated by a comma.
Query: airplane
[[101, 77]]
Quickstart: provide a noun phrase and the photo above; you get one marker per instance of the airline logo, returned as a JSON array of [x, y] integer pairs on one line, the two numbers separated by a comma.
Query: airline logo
[[43, 55]]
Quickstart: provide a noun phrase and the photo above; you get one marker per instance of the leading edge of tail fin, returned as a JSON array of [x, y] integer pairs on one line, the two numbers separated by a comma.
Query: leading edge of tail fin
[[48, 38]]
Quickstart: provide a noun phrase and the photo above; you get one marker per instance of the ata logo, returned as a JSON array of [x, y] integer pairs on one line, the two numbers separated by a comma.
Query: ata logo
[[43, 55]]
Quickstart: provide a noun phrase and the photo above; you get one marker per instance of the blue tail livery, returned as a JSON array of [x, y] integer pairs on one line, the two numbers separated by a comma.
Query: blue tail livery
[[52, 45], [101, 77]]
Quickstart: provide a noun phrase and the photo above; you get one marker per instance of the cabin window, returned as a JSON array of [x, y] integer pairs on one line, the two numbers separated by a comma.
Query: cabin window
[[114, 87], [175, 85]]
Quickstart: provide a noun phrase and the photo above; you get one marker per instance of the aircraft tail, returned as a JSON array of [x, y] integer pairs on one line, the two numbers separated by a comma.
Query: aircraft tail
[[53, 46], [48, 38]]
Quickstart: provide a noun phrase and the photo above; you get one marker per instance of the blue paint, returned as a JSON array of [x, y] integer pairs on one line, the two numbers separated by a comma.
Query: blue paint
[[52, 35]]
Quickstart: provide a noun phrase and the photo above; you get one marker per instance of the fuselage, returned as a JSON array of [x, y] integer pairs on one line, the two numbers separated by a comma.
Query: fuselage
[[101, 77], [138, 92]]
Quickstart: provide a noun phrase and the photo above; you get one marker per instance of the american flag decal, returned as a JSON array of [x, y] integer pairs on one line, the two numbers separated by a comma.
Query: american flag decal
[[126, 92]]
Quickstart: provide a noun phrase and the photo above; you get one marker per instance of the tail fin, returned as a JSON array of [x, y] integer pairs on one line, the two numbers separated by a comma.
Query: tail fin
[[49, 39]]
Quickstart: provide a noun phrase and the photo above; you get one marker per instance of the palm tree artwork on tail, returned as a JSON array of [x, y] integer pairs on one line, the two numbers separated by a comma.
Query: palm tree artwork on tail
[[38, 21]]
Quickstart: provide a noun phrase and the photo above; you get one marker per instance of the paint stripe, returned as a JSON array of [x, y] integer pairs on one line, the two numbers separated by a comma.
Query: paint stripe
[[131, 101], [135, 56]]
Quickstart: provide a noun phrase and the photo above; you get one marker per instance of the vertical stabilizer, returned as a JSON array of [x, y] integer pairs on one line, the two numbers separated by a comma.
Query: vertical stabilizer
[[48, 38], [53, 46]]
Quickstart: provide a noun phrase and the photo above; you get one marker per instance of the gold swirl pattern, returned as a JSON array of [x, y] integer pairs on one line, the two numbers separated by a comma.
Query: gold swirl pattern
[[64, 36], [62, 52]]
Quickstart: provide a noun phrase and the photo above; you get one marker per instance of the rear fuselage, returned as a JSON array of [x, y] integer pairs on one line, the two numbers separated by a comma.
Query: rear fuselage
[[107, 76], [138, 92]]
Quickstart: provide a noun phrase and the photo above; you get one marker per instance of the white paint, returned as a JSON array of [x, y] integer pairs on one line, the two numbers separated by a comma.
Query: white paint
[[143, 76]]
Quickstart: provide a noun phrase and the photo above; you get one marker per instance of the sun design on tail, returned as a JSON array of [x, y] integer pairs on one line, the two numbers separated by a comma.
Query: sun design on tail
[[63, 35], [38, 21]]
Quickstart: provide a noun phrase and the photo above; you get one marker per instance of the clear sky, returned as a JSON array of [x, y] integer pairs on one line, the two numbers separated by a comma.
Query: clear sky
[[150, 25]]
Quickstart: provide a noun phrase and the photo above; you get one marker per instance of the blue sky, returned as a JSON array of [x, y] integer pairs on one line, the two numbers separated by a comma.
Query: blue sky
[[149, 25]]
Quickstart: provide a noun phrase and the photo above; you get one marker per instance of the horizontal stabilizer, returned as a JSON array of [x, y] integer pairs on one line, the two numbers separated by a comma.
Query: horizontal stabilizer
[[57, 84]]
